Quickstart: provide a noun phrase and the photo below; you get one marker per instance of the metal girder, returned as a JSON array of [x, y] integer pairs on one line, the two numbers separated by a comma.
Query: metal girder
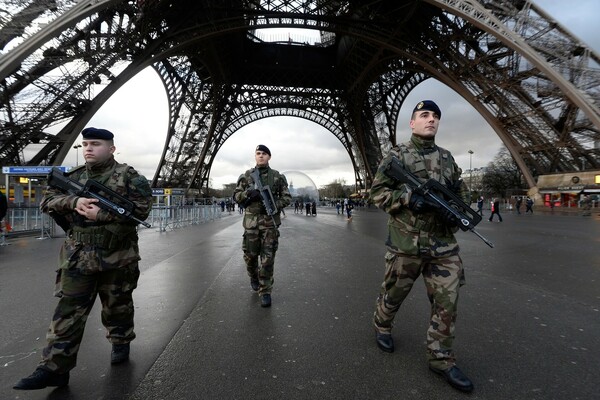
[[531, 80]]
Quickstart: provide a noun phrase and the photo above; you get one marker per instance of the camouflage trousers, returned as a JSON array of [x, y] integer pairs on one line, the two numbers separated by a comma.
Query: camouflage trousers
[[443, 278], [114, 287], [262, 243]]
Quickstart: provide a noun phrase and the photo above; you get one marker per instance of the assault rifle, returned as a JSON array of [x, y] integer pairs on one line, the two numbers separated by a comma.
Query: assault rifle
[[265, 193], [107, 199], [438, 196]]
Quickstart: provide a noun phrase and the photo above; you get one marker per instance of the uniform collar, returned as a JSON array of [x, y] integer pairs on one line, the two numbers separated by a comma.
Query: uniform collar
[[425, 145], [102, 166]]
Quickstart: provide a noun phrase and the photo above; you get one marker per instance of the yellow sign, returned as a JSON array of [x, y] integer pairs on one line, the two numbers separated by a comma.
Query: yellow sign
[[168, 192], [22, 179]]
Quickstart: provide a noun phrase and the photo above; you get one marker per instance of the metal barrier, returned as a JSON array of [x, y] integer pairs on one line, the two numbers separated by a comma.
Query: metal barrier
[[173, 217], [31, 221]]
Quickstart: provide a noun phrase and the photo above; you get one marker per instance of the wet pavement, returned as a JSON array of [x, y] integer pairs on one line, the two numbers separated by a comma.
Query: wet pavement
[[528, 322]]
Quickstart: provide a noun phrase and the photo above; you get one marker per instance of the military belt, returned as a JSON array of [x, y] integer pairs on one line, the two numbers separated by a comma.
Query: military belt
[[98, 237]]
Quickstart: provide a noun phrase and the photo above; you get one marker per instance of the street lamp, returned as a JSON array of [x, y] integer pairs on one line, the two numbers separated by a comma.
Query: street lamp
[[470, 174], [77, 147]]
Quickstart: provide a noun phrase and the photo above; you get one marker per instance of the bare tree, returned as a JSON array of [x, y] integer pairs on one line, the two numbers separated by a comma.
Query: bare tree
[[503, 175], [335, 189]]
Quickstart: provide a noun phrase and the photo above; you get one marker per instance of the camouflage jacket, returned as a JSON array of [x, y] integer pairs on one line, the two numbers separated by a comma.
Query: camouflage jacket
[[410, 233], [254, 210], [110, 241]]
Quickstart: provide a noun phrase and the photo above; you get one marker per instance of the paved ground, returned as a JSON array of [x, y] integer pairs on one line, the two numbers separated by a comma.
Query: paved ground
[[528, 321]]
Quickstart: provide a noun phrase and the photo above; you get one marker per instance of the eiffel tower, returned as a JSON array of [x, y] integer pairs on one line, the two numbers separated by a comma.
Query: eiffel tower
[[536, 84]]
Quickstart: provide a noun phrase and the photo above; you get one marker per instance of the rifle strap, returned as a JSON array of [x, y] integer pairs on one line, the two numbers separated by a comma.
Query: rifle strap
[[112, 179], [270, 178]]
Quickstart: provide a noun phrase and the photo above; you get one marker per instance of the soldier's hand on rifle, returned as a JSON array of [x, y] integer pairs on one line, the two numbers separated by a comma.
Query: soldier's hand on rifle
[[450, 219], [87, 208], [253, 195], [417, 203]]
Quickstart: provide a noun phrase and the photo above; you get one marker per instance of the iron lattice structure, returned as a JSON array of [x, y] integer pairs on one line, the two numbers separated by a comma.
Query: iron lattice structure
[[536, 84]]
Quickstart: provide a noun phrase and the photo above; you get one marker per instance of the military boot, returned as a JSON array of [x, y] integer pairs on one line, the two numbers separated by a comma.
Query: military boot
[[385, 342], [42, 378], [254, 284], [455, 377], [120, 353], [265, 300]]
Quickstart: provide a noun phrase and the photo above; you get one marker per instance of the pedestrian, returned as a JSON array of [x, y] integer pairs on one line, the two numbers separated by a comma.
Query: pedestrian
[[586, 206], [421, 241], [308, 208], [518, 204], [314, 208], [529, 205], [100, 256], [261, 233], [480, 206], [349, 208], [3, 206], [495, 210]]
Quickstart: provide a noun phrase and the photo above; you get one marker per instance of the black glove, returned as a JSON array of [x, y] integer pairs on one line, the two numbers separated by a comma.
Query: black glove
[[253, 195], [450, 219], [417, 203]]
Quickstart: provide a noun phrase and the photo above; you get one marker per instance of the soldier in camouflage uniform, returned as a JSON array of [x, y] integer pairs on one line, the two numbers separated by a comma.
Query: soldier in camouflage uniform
[[421, 242], [261, 233], [99, 257]]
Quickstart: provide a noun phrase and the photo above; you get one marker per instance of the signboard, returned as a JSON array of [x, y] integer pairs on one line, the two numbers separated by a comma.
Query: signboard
[[31, 170], [167, 192]]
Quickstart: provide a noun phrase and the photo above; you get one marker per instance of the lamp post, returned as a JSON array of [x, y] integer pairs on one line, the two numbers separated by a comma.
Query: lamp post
[[77, 147], [470, 174]]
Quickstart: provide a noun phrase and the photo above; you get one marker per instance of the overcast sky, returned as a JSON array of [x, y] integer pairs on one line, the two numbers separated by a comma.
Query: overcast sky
[[138, 115]]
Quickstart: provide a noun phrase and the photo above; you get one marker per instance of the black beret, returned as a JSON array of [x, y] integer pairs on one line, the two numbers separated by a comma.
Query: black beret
[[96, 133], [428, 105], [262, 147]]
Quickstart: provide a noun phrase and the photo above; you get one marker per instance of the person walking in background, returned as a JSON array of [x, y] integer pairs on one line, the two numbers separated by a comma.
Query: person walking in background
[[529, 205], [349, 208], [3, 207], [495, 210], [480, 205], [518, 204], [421, 241], [261, 230], [100, 256]]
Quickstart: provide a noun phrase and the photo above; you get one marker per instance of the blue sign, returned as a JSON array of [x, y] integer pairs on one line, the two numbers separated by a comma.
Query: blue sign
[[31, 170]]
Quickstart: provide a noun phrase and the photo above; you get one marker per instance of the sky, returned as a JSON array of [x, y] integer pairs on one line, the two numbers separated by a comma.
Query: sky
[[300, 145]]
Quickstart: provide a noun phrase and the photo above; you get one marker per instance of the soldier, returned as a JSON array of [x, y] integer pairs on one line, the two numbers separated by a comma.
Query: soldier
[[421, 242], [261, 233], [99, 257]]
